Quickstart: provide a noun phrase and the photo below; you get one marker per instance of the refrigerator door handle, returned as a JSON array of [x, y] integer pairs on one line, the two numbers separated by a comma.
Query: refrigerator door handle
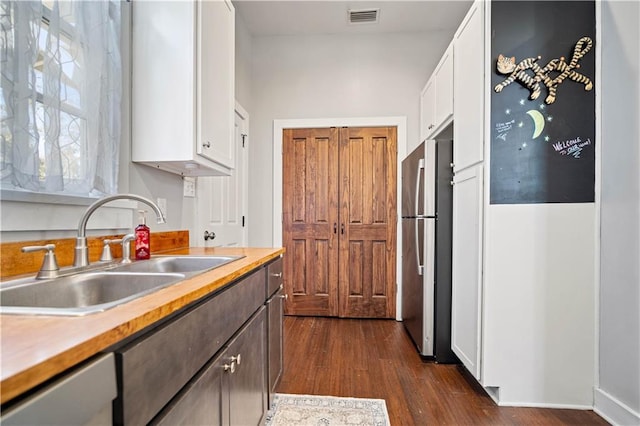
[[417, 250], [418, 173]]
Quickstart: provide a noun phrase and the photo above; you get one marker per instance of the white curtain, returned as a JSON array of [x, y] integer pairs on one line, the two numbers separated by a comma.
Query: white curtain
[[61, 95]]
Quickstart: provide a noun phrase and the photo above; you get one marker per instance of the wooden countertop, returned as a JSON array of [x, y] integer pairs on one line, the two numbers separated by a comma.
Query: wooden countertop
[[34, 349]]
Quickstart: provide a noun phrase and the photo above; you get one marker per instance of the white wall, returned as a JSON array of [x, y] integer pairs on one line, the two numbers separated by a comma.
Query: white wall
[[243, 64], [618, 393], [330, 76], [539, 304]]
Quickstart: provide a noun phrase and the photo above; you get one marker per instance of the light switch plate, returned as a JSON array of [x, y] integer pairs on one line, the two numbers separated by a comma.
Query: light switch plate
[[189, 188]]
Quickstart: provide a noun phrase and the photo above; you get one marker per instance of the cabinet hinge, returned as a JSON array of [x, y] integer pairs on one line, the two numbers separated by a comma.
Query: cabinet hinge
[[243, 139]]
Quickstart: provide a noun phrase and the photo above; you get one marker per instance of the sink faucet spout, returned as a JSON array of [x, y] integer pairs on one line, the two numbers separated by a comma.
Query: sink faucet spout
[[81, 254]]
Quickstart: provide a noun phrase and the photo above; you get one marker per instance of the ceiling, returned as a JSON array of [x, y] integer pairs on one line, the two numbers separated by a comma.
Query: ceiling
[[299, 17]]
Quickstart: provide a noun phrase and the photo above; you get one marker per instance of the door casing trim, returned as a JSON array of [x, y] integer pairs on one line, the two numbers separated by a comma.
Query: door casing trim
[[400, 122]]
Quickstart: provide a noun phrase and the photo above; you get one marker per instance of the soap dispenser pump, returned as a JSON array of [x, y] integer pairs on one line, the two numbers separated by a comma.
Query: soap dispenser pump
[[143, 238]]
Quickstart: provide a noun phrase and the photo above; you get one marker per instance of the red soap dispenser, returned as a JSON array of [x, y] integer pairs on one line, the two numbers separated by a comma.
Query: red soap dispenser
[[143, 238]]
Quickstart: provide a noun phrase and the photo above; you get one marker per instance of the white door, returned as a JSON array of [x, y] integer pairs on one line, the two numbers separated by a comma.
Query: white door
[[222, 200]]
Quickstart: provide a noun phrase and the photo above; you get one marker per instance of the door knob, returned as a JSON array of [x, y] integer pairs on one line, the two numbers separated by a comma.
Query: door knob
[[209, 235]]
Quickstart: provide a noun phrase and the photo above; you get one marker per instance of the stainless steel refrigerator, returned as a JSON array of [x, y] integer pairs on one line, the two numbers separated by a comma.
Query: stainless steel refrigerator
[[427, 204]]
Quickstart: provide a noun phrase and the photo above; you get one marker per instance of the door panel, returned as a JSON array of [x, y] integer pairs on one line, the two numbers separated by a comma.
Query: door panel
[[310, 218], [368, 158]]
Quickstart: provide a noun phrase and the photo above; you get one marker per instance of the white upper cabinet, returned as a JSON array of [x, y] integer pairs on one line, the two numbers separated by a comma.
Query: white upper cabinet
[[183, 86], [428, 109], [436, 99], [468, 90]]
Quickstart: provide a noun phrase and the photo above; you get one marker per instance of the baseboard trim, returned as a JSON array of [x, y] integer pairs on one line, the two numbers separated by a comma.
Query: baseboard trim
[[545, 405], [614, 411]]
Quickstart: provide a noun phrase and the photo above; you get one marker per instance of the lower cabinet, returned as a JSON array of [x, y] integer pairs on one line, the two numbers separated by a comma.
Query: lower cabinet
[[275, 310], [467, 267], [245, 386], [231, 389], [206, 365]]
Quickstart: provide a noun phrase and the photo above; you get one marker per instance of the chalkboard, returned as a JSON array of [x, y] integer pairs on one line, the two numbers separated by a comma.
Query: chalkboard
[[542, 153]]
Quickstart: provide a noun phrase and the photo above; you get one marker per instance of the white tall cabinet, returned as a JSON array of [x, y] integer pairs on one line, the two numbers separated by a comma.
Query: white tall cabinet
[[468, 189], [183, 86]]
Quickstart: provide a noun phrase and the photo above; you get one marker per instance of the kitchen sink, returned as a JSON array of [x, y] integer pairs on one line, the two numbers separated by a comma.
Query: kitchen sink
[[94, 291], [177, 264], [81, 294]]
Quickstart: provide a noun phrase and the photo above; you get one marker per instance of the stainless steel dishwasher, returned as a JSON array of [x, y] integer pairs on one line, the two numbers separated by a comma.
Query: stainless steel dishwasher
[[83, 396]]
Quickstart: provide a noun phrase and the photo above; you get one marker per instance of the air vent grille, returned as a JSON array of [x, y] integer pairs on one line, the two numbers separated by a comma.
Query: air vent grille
[[365, 16]]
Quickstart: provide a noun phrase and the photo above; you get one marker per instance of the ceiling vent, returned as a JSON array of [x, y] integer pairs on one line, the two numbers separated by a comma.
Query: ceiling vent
[[364, 16]]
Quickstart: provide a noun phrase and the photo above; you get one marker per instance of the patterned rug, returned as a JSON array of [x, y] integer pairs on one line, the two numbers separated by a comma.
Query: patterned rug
[[312, 410]]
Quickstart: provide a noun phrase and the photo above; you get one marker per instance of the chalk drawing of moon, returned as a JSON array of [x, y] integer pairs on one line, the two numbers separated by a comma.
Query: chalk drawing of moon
[[538, 122]]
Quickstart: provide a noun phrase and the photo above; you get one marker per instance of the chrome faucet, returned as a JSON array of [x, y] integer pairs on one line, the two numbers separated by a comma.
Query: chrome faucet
[[81, 253]]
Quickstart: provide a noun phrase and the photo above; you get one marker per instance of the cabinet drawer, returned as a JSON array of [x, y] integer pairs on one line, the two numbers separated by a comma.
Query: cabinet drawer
[[155, 367], [274, 276]]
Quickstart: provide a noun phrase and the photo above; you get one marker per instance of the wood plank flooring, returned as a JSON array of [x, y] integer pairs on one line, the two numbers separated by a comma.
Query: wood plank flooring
[[376, 359]]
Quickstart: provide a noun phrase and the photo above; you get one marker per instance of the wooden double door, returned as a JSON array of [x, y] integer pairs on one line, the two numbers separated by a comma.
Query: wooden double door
[[339, 221]]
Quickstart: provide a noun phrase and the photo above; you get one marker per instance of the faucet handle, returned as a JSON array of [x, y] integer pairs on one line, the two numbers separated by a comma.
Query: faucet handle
[[106, 250], [49, 268]]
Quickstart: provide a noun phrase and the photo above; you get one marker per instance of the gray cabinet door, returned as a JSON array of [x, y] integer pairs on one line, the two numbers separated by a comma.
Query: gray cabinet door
[[199, 403], [275, 307], [247, 380]]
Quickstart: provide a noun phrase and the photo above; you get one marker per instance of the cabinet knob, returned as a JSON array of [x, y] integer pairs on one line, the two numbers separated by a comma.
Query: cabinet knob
[[236, 359], [230, 367], [207, 144], [209, 235], [278, 275]]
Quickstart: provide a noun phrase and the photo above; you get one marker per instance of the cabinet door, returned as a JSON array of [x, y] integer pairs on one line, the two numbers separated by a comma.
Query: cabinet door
[[215, 81], [163, 107], [467, 267], [246, 399], [444, 88], [199, 403], [428, 109], [468, 74], [275, 310]]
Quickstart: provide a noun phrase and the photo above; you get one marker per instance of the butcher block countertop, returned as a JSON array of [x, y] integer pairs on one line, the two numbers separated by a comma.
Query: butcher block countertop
[[37, 348]]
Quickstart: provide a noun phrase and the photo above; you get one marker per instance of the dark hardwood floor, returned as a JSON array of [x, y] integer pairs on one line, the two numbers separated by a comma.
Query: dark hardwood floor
[[376, 359]]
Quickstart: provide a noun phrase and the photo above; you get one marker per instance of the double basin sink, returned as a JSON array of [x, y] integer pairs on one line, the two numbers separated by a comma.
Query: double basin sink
[[94, 291]]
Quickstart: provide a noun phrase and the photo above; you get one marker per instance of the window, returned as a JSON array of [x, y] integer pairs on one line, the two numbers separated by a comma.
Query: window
[[61, 96]]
